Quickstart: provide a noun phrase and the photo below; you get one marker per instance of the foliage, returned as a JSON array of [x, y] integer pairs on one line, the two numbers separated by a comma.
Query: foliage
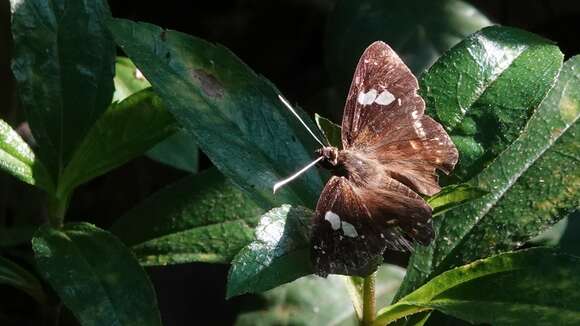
[[503, 94]]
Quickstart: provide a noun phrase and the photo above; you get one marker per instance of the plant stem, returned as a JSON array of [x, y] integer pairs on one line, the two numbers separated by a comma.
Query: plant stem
[[369, 300], [57, 207]]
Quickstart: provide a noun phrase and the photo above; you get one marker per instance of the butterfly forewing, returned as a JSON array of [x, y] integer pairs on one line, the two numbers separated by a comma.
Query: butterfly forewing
[[411, 145]]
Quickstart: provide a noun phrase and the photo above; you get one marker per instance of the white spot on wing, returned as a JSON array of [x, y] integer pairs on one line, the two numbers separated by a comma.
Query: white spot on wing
[[385, 98], [333, 219], [367, 98], [349, 230], [419, 128], [399, 101]]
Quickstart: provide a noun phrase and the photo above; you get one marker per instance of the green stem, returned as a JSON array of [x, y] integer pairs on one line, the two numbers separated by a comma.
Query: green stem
[[57, 207], [369, 300]]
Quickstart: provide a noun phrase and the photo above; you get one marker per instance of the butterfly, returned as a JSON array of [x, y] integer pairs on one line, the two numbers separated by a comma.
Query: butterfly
[[390, 154]]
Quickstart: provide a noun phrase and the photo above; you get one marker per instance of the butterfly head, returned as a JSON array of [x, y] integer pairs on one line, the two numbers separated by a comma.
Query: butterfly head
[[330, 155]]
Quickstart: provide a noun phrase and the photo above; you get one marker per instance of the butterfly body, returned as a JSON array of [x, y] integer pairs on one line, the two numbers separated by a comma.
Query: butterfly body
[[390, 154]]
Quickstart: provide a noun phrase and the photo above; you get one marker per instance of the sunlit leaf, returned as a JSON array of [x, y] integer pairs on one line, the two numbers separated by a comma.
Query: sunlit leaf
[[535, 287], [280, 253], [533, 184]]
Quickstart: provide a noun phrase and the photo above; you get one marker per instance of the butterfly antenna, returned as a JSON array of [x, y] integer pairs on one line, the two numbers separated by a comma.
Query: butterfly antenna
[[279, 184], [300, 119]]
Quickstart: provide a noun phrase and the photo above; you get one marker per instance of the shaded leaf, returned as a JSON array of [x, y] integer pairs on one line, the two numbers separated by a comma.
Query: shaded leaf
[[17, 158], [178, 150], [420, 31], [453, 196], [312, 300], [124, 132], [95, 275], [234, 114], [203, 217], [533, 184], [330, 130], [538, 287], [570, 240], [16, 276], [128, 79], [64, 65], [280, 253], [484, 90]]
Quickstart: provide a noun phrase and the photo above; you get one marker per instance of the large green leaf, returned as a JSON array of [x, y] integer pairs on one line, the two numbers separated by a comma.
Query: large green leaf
[[96, 276], [280, 253], [125, 131], [485, 88], [529, 287], [234, 114], [203, 218], [17, 158], [16, 276], [532, 184], [63, 64], [420, 31], [313, 300]]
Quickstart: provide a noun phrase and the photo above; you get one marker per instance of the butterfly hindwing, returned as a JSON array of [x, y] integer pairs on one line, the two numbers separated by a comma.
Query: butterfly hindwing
[[353, 225], [344, 238]]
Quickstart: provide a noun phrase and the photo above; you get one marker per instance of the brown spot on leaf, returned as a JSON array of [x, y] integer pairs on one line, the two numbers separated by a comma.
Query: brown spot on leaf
[[209, 84]]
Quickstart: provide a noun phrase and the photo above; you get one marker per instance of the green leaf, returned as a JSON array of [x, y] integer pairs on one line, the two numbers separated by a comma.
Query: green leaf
[[453, 196], [124, 132], [64, 66], [484, 90], [313, 300], [234, 114], [420, 31], [17, 158], [16, 276], [533, 184], [569, 243], [533, 287], [95, 275], [128, 79], [330, 130], [203, 218], [280, 253], [179, 151]]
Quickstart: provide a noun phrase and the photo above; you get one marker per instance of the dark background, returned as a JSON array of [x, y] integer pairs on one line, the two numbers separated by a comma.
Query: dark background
[[282, 40]]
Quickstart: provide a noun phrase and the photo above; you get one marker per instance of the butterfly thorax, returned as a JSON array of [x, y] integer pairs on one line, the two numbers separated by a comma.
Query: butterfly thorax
[[353, 165]]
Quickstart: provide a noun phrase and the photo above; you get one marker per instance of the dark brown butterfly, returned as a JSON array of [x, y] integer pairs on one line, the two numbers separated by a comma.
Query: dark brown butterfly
[[390, 155]]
